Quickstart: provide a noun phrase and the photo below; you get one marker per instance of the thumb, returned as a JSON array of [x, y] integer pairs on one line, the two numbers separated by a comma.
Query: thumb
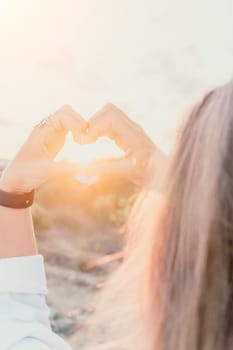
[[91, 135]]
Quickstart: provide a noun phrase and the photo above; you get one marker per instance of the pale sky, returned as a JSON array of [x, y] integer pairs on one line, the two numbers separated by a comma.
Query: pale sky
[[153, 58]]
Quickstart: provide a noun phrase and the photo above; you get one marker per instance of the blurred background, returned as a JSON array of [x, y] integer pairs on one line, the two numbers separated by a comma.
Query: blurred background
[[153, 58]]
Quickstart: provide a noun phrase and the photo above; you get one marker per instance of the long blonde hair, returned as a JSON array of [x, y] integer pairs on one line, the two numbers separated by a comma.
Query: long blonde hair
[[174, 291]]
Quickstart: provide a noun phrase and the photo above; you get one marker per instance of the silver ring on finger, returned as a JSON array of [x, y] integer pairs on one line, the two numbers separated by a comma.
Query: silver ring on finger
[[43, 122]]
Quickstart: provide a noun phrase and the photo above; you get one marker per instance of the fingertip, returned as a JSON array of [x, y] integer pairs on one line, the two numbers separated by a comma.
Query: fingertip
[[84, 126], [77, 138], [84, 139], [88, 138]]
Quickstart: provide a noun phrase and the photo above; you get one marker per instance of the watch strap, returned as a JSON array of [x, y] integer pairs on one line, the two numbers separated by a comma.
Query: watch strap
[[16, 200]]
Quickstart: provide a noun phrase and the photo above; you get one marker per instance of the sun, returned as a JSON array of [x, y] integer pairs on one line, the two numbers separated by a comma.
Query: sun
[[85, 154]]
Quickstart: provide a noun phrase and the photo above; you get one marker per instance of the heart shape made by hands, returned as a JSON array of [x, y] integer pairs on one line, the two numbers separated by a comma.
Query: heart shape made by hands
[[113, 124]]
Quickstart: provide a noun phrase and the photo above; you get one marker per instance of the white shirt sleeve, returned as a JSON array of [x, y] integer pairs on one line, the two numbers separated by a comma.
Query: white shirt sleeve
[[24, 314]]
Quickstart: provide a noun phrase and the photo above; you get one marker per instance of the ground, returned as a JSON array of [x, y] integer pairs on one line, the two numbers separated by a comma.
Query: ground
[[73, 279]]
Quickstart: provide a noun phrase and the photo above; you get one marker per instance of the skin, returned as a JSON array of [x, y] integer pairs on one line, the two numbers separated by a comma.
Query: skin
[[129, 136], [34, 164]]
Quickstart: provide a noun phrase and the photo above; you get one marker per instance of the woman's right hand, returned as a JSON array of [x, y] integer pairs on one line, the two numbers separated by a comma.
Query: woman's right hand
[[140, 152], [34, 163]]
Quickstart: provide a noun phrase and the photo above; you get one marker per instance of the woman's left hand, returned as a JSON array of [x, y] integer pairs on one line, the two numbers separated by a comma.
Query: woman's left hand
[[34, 163], [141, 154]]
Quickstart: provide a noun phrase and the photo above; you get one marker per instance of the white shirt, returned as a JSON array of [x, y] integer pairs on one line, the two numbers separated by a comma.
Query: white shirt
[[24, 314]]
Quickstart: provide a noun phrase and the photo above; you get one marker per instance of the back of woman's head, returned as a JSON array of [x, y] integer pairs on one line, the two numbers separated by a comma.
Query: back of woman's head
[[191, 291], [175, 290]]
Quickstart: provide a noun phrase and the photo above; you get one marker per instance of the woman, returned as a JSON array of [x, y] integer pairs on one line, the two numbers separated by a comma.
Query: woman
[[183, 260]]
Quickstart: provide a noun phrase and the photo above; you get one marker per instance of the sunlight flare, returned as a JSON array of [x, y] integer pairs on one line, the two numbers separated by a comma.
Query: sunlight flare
[[85, 154]]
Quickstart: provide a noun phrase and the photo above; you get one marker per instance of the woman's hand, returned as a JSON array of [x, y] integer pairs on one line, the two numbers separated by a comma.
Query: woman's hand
[[137, 165], [33, 165]]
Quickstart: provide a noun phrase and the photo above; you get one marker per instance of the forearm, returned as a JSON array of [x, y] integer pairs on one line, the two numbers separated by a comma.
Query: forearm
[[16, 233]]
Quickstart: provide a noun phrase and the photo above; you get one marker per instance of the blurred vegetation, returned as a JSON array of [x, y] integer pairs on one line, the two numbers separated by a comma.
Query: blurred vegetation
[[109, 201], [113, 208], [41, 218]]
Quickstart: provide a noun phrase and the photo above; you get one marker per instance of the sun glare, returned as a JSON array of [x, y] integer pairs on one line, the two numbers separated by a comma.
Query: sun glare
[[85, 154]]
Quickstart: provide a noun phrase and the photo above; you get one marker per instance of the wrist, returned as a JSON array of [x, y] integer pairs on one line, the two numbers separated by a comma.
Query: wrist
[[7, 187], [11, 186], [14, 200], [16, 233]]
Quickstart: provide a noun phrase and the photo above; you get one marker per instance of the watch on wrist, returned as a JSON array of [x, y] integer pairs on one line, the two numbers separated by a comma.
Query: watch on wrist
[[16, 200]]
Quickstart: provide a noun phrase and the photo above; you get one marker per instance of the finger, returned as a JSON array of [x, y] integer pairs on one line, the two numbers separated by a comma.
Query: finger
[[66, 119], [113, 123], [50, 137]]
